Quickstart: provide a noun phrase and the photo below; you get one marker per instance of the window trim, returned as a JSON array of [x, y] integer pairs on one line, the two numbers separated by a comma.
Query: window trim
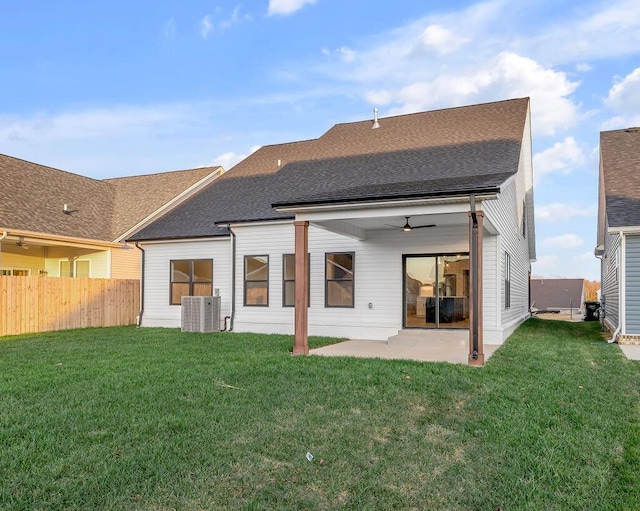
[[352, 280], [73, 267], [285, 280], [244, 280], [191, 282], [507, 280], [13, 270]]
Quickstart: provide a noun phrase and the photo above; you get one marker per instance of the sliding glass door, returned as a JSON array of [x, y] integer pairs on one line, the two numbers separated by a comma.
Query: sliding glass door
[[436, 291]]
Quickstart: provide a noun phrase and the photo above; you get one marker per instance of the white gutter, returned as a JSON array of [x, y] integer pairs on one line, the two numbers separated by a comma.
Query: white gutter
[[346, 206]]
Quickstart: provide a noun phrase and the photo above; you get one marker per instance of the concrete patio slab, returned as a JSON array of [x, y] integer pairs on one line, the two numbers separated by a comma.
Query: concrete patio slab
[[632, 352], [451, 350]]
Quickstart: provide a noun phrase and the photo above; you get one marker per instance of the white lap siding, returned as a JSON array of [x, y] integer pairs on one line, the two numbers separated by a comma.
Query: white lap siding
[[377, 274], [506, 214], [158, 256]]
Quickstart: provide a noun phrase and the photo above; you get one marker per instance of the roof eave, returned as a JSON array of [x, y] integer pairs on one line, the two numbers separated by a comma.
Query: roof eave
[[486, 193]]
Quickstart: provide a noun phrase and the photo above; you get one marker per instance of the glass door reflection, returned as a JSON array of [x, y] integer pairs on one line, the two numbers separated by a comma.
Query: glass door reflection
[[436, 291]]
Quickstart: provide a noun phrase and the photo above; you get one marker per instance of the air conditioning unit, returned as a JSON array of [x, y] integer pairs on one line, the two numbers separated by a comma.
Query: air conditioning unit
[[200, 314]]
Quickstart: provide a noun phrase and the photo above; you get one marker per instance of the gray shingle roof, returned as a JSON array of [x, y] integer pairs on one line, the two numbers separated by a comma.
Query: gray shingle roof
[[555, 294], [620, 163], [33, 195], [439, 152]]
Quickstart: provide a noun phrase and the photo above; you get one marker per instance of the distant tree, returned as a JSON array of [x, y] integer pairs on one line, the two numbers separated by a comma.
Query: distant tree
[[591, 288]]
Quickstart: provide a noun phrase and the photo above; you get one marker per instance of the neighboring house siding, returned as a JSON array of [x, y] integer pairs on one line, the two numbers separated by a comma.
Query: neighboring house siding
[[632, 285], [125, 264], [99, 261], [609, 279], [505, 214], [32, 260], [157, 311]]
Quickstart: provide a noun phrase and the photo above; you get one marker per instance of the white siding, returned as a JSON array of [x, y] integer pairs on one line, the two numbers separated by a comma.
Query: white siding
[[377, 273], [157, 311], [506, 214]]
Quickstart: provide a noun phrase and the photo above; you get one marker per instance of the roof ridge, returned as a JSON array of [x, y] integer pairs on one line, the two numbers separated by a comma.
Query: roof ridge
[[50, 168], [120, 178], [423, 112]]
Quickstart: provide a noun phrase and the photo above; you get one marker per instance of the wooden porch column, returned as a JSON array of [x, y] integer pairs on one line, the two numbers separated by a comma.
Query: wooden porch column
[[300, 344], [476, 350]]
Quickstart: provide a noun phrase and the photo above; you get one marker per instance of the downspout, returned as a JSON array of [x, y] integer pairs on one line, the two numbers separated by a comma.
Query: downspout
[[3, 236], [232, 312], [474, 272], [141, 284]]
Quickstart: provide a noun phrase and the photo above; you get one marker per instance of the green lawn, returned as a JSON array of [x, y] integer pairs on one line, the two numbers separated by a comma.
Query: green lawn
[[155, 419]]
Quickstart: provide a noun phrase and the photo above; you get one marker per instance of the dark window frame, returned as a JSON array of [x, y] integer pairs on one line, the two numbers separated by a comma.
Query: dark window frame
[[191, 281], [285, 280], [352, 280], [245, 281]]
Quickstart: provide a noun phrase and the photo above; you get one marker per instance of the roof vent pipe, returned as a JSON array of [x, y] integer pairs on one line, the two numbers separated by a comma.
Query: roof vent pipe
[[376, 124]]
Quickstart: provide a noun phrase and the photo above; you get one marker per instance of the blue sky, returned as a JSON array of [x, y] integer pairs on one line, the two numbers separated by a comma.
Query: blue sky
[[116, 88]]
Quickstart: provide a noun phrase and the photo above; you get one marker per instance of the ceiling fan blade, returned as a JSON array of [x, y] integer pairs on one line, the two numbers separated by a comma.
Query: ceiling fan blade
[[394, 226], [422, 226]]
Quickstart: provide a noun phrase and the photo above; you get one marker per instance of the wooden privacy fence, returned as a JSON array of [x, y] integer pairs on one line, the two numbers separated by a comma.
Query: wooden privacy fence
[[42, 304]]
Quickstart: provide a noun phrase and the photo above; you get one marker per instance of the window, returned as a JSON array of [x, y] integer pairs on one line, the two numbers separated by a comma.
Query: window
[[191, 277], [15, 272], [80, 269], [507, 281], [289, 280], [339, 279], [524, 220], [256, 281]]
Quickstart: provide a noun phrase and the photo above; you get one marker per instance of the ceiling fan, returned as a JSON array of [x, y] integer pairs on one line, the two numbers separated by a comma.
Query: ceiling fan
[[20, 243], [408, 227]]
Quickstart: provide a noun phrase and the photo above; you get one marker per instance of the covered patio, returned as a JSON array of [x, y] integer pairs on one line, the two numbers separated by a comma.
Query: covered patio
[[447, 346]]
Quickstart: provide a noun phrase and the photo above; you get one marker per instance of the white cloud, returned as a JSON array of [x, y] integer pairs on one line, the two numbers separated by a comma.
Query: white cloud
[[346, 54], [559, 212], [583, 67], [286, 7], [229, 159], [441, 39], [624, 99], [205, 26], [562, 242], [562, 157], [169, 29]]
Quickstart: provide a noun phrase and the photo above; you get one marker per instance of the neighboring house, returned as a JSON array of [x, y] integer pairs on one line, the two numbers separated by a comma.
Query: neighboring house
[[619, 233], [333, 209], [56, 223], [565, 296]]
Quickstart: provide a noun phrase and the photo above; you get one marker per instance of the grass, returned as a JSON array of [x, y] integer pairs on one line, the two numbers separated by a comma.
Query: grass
[[154, 419]]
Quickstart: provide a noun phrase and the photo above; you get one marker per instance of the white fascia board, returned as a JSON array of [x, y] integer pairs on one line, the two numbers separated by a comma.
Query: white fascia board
[[183, 240], [378, 206], [630, 229], [409, 209]]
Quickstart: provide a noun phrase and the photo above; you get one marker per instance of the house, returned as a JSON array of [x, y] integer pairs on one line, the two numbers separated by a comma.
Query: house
[[566, 296], [56, 223], [619, 233], [418, 221]]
